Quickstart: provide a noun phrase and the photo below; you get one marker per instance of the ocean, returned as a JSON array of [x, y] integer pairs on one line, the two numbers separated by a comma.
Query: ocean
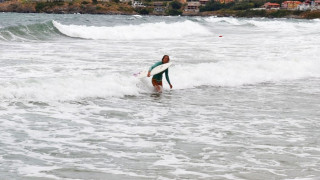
[[244, 104]]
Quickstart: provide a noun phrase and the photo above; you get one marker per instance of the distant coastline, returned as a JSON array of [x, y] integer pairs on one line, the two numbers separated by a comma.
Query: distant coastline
[[115, 7]]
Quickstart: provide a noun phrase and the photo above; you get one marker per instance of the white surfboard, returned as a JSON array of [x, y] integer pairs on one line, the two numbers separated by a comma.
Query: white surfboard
[[154, 71]]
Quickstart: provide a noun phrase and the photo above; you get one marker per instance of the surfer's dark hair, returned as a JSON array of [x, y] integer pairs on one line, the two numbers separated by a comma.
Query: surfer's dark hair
[[164, 57]]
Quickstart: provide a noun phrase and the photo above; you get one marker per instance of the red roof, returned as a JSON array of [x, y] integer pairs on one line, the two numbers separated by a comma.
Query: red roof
[[273, 4], [292, 2]]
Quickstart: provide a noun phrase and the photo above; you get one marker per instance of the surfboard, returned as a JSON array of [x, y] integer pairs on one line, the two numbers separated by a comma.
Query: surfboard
[[154, 71]]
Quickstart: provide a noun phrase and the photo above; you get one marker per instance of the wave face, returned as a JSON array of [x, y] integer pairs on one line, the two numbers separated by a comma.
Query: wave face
[[52, 29], [159, 30], [39, 31]]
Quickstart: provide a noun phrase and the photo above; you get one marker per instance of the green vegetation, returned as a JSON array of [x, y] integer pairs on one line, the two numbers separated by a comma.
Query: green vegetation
[[214, 6], [42, 6], [143, 11], [175, 5], [174, 8], [270, 14], [84, 2], [236, 9], [243, 6], [311, 14], [280, 13], [98, 8], [251, 13]]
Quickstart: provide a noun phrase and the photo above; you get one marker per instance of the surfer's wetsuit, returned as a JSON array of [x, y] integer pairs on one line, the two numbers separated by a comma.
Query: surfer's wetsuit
[[157, 78]]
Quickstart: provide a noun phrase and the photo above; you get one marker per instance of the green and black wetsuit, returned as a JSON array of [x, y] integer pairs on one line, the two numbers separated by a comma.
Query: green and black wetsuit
[[158, 77]]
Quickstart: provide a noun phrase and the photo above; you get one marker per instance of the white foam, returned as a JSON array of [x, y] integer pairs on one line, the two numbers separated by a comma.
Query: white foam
[[38, 171], [281, 25], [239, 73], [160, 30], [69, 88], [224, 20], [178, 172], [224, 73]]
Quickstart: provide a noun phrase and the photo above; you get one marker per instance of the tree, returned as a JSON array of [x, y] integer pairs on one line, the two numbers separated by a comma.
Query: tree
[[175, 5]]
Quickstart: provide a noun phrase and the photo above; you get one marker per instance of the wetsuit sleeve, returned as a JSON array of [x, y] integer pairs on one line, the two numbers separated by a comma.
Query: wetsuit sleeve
[[155, 65], [167, 76]]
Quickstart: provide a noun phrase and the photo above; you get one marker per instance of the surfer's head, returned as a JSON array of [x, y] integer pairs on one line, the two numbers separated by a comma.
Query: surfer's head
[[165, 59]]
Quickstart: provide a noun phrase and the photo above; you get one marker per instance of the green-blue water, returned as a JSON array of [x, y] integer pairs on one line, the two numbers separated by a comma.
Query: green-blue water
[[243, 106]]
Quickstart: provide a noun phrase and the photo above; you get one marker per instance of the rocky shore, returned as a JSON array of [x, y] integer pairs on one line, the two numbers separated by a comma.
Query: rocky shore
[[82, 7], [114, 7]]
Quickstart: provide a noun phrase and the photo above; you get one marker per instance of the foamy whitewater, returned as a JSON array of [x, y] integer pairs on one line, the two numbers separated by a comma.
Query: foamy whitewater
[[244, 105]]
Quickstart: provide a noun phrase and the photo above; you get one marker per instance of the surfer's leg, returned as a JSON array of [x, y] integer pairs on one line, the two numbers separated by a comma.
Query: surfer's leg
[[157, 85], [158, 88]]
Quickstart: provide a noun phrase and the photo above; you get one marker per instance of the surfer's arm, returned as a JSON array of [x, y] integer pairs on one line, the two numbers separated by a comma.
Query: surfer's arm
[[167, 77], [153, 66]]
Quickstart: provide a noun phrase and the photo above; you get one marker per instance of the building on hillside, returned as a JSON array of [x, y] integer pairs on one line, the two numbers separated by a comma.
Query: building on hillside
[[309, 5], [203, 2], [290, 5], [137, 4], [159, 7], [270, 5], [225, 1], [304, 6], [182, 1], [315, 5], [192, 7]]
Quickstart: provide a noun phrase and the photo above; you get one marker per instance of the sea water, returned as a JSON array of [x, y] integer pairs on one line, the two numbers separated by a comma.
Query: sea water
[[244, 105]]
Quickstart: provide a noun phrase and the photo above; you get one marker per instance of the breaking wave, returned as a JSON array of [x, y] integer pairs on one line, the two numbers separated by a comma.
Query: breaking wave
[[268, 24], [160, 30], [39, 31], [224, 74]]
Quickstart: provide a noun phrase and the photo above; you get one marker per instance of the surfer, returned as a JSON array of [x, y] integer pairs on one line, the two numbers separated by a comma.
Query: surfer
[[157, 78]]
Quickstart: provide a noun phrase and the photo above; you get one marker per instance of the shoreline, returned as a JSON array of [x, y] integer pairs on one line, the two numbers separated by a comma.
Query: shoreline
[[114, 8]]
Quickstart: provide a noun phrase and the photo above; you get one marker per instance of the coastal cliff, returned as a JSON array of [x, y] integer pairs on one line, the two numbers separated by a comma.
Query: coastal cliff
[[116, 7], [83, 7]]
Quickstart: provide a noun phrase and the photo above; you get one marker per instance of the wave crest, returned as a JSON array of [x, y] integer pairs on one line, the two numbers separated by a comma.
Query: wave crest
[[39, 31], [160, 30]]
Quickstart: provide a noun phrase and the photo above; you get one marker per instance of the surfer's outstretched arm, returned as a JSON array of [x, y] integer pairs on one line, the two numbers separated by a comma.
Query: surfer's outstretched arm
[[167, 78]]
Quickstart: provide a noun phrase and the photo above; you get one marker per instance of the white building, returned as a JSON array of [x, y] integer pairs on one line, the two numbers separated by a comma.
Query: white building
[[137, 4], [304, 6], [307, 5]]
